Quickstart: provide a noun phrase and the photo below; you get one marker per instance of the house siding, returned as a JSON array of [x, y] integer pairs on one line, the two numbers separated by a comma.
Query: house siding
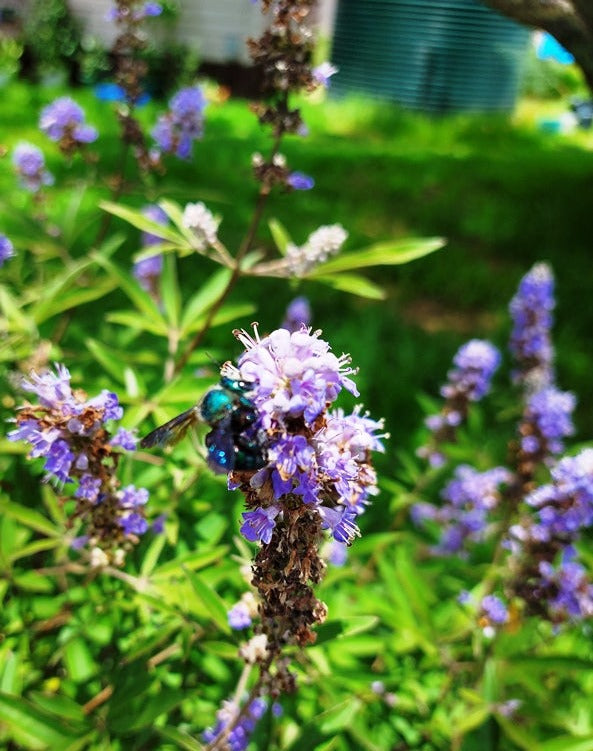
[[216, 29]]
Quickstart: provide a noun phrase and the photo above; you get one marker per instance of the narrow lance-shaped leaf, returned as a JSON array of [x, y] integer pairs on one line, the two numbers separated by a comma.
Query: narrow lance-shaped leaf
[[354, 284], [137, 219], [381, 254], [141, 299], [204, 298], [170, 291], [210, 599], [280, 235]]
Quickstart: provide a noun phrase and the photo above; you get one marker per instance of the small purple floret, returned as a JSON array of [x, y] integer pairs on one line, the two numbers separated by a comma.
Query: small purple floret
[[6, 249], [494, 609]]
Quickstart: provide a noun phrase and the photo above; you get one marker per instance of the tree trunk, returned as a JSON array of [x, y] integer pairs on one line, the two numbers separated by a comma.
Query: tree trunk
[[569, 21]]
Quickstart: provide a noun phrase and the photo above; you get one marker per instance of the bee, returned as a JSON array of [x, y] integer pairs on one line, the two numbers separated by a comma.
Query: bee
[[234, 441]]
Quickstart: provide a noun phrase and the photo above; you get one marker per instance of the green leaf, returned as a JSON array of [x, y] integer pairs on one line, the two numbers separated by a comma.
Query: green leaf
[[381, 254], [517, 734], [170, 290], [126, 716], [174, 212], [193, 560], [280, 235], [137, 323], [74, 298], [354, 284], [137, 219], [210, 599], [60, 705], [151, 556], [29, 517], [224, 649], [130, 287], [472, 719], [31, 581], [35, 547], [345, 627], [53, 292], [108, 360], [181, 738], [204, 298], [339, 716], [17, 320], [32, 727], [9, 673], [225, 315], [78, 660], [567, 743]]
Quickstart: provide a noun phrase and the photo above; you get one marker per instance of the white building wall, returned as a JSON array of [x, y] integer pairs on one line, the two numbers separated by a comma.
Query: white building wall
[[216, 29]]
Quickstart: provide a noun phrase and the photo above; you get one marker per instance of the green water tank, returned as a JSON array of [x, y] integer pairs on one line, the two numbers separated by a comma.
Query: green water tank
[[432, 55]]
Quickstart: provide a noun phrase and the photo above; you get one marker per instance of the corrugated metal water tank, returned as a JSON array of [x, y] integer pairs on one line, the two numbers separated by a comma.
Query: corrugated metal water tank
[[432, 55]]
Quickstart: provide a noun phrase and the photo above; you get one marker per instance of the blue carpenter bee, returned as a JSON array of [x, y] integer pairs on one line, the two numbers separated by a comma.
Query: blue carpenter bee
[[234, 441]]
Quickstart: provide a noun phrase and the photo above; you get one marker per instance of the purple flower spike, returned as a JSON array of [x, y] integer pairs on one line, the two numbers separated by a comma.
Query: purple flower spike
[[475, 364], [63, 120], [29, 163], [549, 413], [298, 315], [464, 517], [176, 130], [6, 249], [70, 433], [531, 344]]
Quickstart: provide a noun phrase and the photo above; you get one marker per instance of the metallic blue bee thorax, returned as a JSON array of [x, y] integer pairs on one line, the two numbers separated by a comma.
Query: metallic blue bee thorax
[[235, 441], [216, 405]]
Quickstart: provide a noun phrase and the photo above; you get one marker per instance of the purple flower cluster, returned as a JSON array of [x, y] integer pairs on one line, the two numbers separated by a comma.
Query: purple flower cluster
[[547, 421], [300, 181], [241, 729], [475, 364], [69, 433], [571, 592], [323, 72], [562, 510], [322, 457], [531, 310], [298, 314], [564, 507], [63, 122], [177, 129], [469, 499], [148, 270], [6, 249], [29, 163], [494, 610]]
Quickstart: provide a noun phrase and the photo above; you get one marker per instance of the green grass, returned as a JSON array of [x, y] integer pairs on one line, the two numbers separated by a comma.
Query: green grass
[[503, 194]]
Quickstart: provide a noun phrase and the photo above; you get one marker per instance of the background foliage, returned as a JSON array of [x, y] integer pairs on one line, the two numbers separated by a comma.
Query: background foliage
[[143, 659]]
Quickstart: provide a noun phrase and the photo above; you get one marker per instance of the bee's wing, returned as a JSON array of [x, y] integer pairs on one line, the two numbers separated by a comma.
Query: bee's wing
[[172, 431]]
